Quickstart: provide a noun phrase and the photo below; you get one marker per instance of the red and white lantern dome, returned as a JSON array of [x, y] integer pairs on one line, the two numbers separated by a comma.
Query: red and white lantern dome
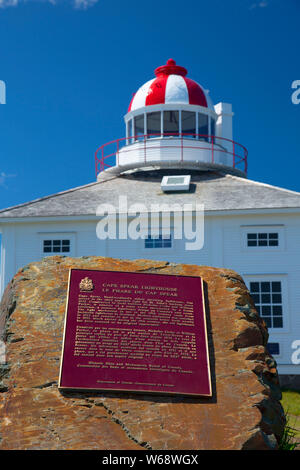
[[172, 122], [170, 103], [171, 86]]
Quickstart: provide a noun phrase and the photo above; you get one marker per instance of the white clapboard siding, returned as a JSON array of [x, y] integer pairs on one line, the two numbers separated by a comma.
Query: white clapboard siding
[[223, 247]]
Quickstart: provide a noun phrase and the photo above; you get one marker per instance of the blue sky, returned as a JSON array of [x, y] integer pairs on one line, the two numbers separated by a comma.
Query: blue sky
[[70, 69]]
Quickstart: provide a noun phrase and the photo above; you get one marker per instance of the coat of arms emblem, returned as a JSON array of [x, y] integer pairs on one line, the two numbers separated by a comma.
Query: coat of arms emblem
[[86, 284]]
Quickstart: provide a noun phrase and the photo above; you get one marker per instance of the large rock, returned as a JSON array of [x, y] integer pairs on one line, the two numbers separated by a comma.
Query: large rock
[[243, 413]]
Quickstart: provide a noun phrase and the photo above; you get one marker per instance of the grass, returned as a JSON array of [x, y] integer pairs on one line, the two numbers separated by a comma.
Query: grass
[[289, 440], [291, 402], [291, 405]]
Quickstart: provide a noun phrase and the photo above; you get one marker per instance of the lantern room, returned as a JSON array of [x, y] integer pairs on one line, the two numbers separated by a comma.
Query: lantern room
[[172, 122]]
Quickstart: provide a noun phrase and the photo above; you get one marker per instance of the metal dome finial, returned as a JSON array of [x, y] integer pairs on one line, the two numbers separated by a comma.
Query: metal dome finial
[[171, 69]]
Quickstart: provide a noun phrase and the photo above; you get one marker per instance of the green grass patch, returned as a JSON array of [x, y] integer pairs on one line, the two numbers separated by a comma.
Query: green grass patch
[[291, 405], [289, 440], [291, 402]]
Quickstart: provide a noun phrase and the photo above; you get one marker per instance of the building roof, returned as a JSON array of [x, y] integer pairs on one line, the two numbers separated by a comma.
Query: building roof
[[217, 191]]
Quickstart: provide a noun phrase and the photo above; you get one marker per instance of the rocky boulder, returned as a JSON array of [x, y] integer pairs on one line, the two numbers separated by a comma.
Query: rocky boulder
[[243, 413]]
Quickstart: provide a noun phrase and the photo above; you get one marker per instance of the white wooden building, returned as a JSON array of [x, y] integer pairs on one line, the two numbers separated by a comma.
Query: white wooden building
[[174, 131]]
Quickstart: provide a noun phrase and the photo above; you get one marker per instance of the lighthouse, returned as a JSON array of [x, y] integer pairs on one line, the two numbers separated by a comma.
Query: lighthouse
[[177, 148], [172, 123]]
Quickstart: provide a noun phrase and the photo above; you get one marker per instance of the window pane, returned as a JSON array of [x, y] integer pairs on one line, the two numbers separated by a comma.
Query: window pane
[[203, 126], [255, 298], [153, 123], [266, 310], [276, 298], [171, 122], [213, 127], [277, 322], [130, 130], [268, 321], [252, 236], [175, 180], [188, 123], [277, 310], [139, 125], [276, 286], [265, 287], [273, 348], [254, 286]]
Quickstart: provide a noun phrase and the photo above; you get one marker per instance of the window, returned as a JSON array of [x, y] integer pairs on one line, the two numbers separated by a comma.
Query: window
[[202, 127], [263, 239], [139, 125], [267, 296], [212, 127], [154, 124], [176, 183], [273, 349], [56, 246], [171, 122], [129, 131], [158, 241], [188, 123]]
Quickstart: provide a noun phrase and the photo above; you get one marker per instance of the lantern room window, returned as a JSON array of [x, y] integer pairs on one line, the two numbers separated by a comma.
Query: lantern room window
[[129, 131], [188, 124], [139, 126], [212, 127], [153, 124], [202, 127], [171, 122]]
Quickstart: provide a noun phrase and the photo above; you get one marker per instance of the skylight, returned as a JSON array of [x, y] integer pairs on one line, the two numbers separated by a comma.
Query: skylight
[[176, 183]]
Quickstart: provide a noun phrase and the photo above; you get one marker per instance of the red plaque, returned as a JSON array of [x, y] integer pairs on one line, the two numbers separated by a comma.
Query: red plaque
[[136, 332]]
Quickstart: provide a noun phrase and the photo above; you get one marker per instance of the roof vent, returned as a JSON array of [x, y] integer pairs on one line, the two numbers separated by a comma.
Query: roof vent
[[176, 183]]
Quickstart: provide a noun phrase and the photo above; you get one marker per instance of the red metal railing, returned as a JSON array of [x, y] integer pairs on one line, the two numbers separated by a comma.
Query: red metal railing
[[107, 156]]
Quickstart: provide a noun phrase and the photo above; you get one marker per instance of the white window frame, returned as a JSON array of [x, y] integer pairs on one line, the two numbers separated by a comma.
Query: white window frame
[[168, 107], [245, 229], [159, 251], [58, 236], [274, 277], [166, 186]]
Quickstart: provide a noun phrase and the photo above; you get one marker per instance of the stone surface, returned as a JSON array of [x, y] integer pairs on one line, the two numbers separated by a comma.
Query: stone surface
[[243, 413]]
